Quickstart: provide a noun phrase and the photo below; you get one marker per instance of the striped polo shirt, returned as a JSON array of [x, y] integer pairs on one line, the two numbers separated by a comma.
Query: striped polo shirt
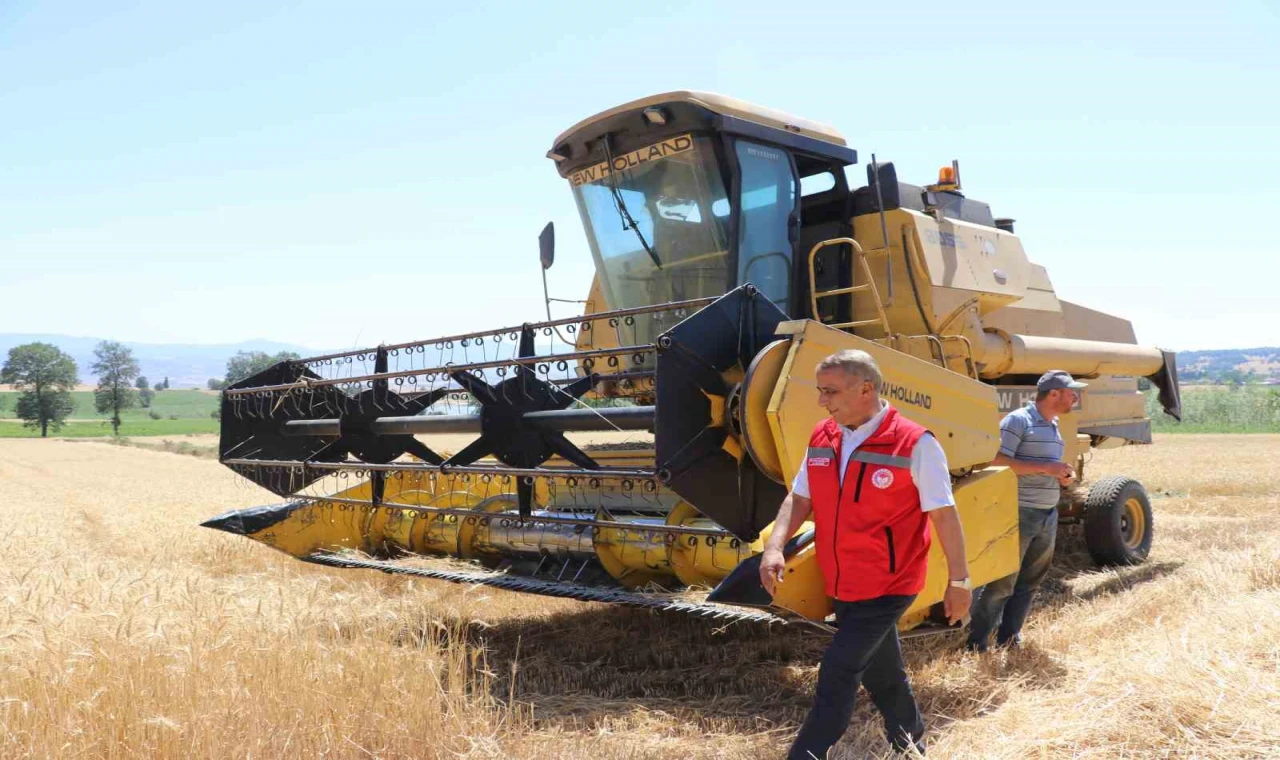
[[1025, 434]]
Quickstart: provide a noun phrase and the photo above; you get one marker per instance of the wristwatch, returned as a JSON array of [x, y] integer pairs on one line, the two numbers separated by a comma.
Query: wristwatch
[[964, 583]]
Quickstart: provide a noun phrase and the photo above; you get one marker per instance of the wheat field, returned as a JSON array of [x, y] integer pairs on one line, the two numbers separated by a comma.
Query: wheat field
[[127, 631]]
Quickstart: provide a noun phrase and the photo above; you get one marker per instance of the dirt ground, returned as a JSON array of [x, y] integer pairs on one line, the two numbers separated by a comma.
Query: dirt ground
[[128, 631]]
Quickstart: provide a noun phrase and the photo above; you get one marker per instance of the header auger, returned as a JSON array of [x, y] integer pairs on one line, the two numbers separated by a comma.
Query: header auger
[[643, 448], [521, 494]]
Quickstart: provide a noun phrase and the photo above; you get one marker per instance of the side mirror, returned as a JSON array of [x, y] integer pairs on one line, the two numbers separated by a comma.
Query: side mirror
[[888, 181], [547, 245]]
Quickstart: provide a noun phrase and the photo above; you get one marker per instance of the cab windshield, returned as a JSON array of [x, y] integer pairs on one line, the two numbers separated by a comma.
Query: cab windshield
[[675, 194]]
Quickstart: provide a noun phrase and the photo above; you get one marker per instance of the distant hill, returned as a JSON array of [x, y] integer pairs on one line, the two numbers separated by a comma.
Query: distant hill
[[187, 365], [1229, 365]]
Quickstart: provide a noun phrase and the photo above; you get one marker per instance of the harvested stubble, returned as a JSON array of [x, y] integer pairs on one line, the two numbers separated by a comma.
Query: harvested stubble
[[127, 631]]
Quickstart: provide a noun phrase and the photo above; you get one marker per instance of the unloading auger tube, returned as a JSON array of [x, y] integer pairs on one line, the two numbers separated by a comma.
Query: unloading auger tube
[[675, 503]]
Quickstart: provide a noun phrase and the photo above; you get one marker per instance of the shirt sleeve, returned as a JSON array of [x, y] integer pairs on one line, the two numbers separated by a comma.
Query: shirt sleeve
[[1012, 428], [800, 485], [930, 473]]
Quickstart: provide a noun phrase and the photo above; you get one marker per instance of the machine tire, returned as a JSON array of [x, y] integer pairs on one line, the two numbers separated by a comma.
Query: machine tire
[[1118, 527]]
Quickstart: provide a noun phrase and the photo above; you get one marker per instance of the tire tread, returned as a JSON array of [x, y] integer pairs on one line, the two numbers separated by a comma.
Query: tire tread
[[1098, 527]]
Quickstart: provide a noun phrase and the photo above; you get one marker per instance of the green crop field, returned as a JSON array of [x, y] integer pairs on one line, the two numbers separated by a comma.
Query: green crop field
[[181, 413], [1206, 409], [1221, 409]]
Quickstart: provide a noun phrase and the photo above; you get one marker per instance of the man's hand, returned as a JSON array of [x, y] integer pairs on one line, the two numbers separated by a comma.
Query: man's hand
[[955, 604], [772, 565], [794, 510], [1061, 471], [946, 521]]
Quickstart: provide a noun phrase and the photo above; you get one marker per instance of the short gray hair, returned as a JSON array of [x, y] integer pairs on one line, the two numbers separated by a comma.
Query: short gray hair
[[854, 362]]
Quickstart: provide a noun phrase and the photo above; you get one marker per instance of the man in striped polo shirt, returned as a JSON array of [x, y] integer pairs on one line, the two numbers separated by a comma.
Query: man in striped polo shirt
[[1032, 447]]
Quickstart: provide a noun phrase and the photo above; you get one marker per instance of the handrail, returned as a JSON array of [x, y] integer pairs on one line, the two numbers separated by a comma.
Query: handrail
[[870, 284], [942, 352], [970, 361], [939, 341]]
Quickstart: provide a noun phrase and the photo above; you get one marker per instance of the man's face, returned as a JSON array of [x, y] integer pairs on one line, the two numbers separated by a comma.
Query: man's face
[[850, 400], [1063, 400]]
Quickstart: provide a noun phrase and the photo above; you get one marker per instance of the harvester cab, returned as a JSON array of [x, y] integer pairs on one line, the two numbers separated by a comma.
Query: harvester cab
[[685, 199], [644, 446]]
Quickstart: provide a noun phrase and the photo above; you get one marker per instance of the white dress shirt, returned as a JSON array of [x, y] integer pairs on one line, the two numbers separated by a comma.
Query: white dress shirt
[[928, 463]]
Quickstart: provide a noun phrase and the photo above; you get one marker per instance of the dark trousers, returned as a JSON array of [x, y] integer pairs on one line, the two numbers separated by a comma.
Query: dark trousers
[[864, 650], [1006, 602]]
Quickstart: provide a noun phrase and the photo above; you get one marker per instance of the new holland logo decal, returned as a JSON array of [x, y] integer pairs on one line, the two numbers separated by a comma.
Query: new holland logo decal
[[672, 146]]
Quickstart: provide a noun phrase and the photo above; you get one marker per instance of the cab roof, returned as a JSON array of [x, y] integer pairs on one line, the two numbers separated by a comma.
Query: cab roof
[[720, 104]]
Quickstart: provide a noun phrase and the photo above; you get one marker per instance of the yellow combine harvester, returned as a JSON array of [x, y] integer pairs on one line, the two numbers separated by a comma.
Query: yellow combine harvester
[[732, 254]]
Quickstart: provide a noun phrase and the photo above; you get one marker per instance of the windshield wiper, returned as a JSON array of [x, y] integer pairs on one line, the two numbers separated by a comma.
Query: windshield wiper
[[621, 205]]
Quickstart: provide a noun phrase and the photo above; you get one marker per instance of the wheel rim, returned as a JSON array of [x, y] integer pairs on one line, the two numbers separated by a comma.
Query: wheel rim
[[1133, 523]]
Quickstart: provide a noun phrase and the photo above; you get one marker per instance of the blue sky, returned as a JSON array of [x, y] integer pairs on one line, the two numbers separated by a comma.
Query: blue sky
[[332, 173]]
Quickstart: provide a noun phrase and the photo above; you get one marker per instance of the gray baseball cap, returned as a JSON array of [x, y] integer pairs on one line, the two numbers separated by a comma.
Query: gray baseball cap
[[1057, 378]]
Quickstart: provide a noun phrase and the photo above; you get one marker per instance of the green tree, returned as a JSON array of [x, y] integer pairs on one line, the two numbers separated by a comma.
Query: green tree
[[116, 370], [159, 386], [141, 383], [44, 376], [145, 397], [248, 363], [216, 385]]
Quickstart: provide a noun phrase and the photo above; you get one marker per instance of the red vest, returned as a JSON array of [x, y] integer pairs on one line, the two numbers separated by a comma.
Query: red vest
[[872, 538]]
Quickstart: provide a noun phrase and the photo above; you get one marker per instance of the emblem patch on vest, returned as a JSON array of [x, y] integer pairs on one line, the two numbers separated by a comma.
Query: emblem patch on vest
[[882, 478]]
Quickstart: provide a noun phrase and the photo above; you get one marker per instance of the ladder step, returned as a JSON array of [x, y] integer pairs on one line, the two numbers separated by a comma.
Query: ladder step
[[859, 323], [842, 291]]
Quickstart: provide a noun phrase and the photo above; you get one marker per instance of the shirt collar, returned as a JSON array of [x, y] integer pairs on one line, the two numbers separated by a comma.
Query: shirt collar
[[871, 425], [1036, 415]]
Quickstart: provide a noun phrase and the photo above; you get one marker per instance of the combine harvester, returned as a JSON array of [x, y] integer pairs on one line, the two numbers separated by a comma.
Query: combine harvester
[[731, 255]]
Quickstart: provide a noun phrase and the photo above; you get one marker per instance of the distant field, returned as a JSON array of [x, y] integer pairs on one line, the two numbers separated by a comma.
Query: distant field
[[1206, 409], [1221, 409], [128, 427], [191, 408]]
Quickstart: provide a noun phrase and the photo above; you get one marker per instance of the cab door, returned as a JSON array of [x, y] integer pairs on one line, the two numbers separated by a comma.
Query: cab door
[[768, 220], [826, 213]]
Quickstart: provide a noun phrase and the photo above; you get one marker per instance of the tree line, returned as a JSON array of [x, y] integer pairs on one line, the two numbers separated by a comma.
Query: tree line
[[44, 377], [246, 364]]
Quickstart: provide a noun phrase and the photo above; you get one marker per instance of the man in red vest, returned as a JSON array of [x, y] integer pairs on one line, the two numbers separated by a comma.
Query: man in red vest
[[874, 481]]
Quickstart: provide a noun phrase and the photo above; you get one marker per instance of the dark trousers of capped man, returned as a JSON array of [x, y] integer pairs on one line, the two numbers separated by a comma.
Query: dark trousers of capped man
[[866, 651]]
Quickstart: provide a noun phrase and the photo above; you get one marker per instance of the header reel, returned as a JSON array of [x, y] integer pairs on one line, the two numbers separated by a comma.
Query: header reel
[[684, 505]]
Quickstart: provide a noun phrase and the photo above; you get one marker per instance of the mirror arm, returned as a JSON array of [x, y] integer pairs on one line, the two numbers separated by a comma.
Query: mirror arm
[[546, 297]]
